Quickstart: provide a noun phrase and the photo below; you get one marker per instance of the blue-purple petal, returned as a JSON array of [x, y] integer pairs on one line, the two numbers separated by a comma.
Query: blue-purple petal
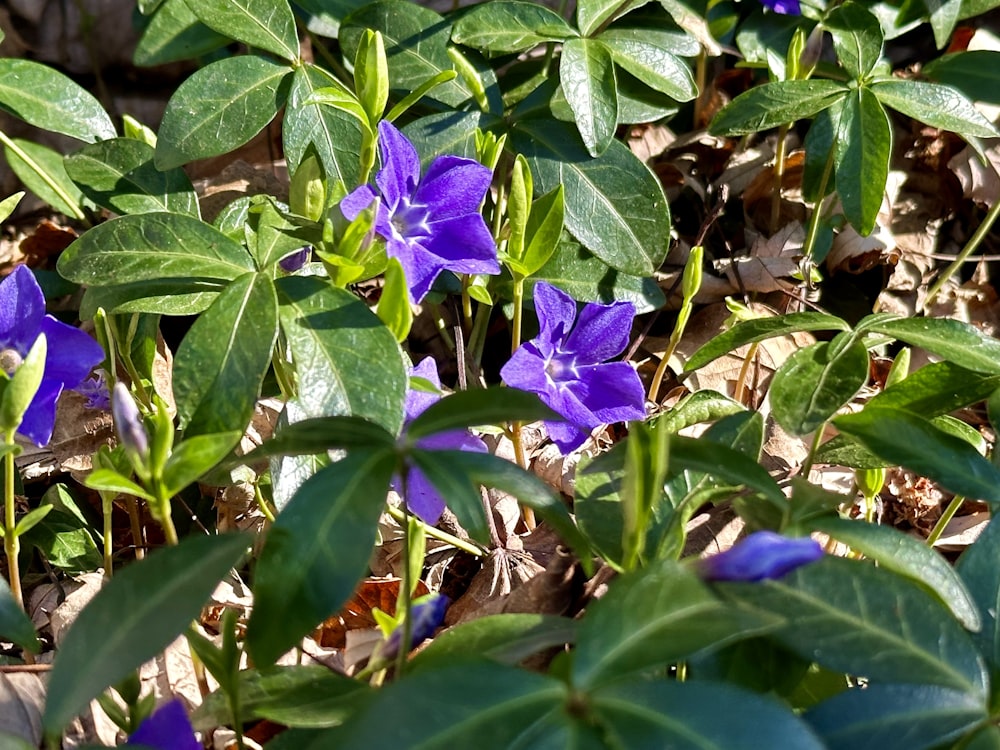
[[420, 266], [612, 392], [464, 245], [760, 556], [422, 499], [526, 370], [555, 310], [22, 307], [40, 417], [356, 201], [426, 616], [453, 186], [71, 354], [601, 331], [784, 7], [400, 171], [418, 401], [167, 728]]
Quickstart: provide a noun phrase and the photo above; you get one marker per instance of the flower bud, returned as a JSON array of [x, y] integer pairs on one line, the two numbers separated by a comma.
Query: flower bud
[[128, 423], [762, 555], [427, 614]]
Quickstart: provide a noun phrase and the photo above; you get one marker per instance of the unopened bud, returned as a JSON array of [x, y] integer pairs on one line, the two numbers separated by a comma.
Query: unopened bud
[[128, 422]]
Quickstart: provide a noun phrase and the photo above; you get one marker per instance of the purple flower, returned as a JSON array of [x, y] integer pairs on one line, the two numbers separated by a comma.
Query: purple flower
[[293, 262], [71, 353], [95, 390], [128, 423], [431, 224], [565, 364], [167, 728], [427, 614], [422, 498], [762, 555], [784, 7]]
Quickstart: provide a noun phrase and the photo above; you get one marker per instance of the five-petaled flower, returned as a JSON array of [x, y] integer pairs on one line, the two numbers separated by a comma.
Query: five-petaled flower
[[784, 7], [431, 224], [167, 728], [71, 353], [566, 365], [422, 499], [762, 555]]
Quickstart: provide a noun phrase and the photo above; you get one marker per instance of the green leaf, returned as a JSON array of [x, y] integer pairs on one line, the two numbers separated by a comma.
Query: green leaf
[[974, 72], [978, 569], [457, 705], [47, 99], [221, 363], [935, 105], [928, 450], [614, 204], [775, 104], [161, 296], [593, 14], [195, 457], [271, 235], [507, 638], [394, 305], [416, 45], [8, 204], [119, 175], [647, 619], [336, 135], [836, 615], [759, 329], [694, 715], [896, 717], [944, 16], [544, 229], [458, 488], [472, 408], [698, 407], [317, 551], [268, 24], [175, 33], [14, 623], [588, 81], [963, 344], [154, 247], [108, 480], [909, 557], [20, 390], [302, 695], [937, 388], [723, 463], [815, 382], [133, 618], [510, 26], [318, 435], [340, 349], [857, 38], [863, 149], [220, 107], [65, 543], [654, 64], [39, 166]]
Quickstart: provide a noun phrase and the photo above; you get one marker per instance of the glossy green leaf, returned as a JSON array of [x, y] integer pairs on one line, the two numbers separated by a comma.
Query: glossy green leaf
[[759, 329], [658, 615], [221, 363], [271, 236], [220, 107], [588, 81], [20, 390], [910, 557], [863, 149], [775, 104], [614, 204], [835, 614], [268, 24], [815, 382], [163, 296], [937, 388], [65, 542], [300, 695], [962, 343], [108, 480], [978, 569], [150, 247], [543, 230], [416, 45], [47, 99], [896, 717], [510, 26], [591, 15], [506, 638], [928, 450], [974, 72], [490, 406], [37, 165], [597, 501], [724, 463], [335, 135], [985, 738], [935, 105], [697, 407], [317, 551], [340, 348], [195, 457], [14, 623], [654, 64], [695, 715], [459, 490], [857, 38], [944, 16], [175, 33], [394, 305], [8, 204], [820, 148], [119, 175], [133, 618]]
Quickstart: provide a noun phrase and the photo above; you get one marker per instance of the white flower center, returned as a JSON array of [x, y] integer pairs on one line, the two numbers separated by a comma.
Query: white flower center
[[410, 220]]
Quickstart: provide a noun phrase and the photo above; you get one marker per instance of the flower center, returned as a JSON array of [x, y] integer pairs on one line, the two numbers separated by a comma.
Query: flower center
[[561, 367], [10, 360], [410, 220]]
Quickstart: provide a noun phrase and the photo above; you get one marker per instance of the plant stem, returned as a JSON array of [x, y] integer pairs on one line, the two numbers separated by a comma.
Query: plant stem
[[969, 249], [809, 245], [949, 513], [11, 544], [439, 534], [405, 600], [46, 178], [808, 463], [262, 503], [107, 508], [779, 174]]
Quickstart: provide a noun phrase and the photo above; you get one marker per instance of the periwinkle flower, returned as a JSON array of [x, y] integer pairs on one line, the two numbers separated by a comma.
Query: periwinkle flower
[[784, 7], [95, 390], [128, 423], [293, 262], [422, 499], [762, 555], [427, 614], [566, 366], [431, 224], [71, 353], [167, 728]]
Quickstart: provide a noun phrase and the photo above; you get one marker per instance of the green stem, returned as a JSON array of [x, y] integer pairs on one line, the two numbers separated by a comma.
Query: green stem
[[107, 507], [817, 440], [515, 336], [949, 513], [262, 503], [11, 544], [405, 599], [814, 219], [779, 174], [439, 534], [46, 178], [970, 247], [477, 339]]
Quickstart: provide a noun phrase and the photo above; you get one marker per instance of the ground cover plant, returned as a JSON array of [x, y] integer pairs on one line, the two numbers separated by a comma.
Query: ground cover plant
[[417, 447]]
